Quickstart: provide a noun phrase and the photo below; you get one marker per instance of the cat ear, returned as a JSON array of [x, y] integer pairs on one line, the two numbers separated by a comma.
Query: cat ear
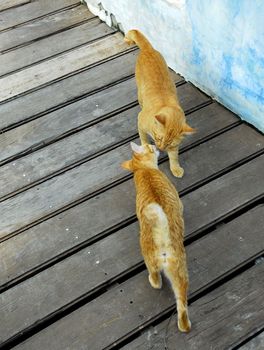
[[161, 118], [187, 130], [136, 148], [127, 165]]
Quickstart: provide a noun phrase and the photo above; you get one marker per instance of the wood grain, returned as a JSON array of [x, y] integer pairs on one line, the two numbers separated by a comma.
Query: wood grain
[[38, 29], [134, 302], [220, 319], [70, 258], [7, 4], [44, 49], [45, 130], [64, 91], [60, 66], [49, 238], [28, 12], [256, 343], [110, 162]]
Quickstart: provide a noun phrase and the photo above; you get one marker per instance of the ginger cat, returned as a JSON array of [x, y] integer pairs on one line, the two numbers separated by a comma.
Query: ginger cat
[[160, 215], [161, 116]]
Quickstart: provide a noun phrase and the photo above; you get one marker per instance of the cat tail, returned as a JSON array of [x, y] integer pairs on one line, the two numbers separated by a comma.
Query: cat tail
[[156, 216], [136, 37]]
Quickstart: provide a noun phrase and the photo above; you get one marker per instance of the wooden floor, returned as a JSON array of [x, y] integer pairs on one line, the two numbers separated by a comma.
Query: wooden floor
[[71, 272]]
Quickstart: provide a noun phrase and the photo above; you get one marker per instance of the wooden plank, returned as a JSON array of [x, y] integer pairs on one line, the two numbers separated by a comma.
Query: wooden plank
[[7, 4], [70, 152], [220, 319], [35, 9], [256, 343], [41, 253], [45, 26], [85, 111], [124, 307], [67, 119], [60, 66], [48, 239], [62, 92], [51, 46], [217, 154], [111, 161]]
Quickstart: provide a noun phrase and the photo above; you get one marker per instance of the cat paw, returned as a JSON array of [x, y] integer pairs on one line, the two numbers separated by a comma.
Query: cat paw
[[184, 324], [157, 283], [177, 171]]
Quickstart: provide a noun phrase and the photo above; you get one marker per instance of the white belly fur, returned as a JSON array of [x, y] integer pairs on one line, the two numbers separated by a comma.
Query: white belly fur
[[160, 230]]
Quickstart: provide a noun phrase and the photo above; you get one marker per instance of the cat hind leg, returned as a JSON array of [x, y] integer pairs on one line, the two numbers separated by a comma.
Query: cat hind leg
[[154, 277], [155, 280], [180, 287]]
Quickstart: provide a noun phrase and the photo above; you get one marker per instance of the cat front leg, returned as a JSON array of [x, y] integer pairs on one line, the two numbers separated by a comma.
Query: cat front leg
[[142, 133], [143, 136], [174, 162]]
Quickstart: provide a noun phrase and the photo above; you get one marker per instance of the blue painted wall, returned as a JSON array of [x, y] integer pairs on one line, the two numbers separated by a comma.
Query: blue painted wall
[[218, 45], [228, 54]]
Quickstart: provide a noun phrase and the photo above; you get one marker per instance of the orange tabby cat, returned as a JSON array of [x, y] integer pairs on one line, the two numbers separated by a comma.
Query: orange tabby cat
[[159, 211], [161, 116]]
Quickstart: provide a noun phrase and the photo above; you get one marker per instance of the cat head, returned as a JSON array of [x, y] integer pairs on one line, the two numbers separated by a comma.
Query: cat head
[[145, 156], [170, 128]]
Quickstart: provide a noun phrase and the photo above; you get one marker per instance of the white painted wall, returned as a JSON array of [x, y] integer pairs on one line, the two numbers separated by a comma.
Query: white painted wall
[[217, 45]]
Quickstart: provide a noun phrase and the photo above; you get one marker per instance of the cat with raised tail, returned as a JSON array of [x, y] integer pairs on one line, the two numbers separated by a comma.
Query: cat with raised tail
[[160, 214], [161, 115]]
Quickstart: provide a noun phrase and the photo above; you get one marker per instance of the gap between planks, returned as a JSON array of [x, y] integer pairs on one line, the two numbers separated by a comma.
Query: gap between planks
[[35, 144], [87, 81], [228, 272], [219, 138], [194, 231], [253, 341], [23, 13], [9, 43], [44, 54], [11, 4], [106, 48], [203, 334], [106, 185]]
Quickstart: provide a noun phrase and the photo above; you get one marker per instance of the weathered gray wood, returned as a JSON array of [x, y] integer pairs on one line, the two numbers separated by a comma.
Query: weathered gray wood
[[68, 118], [203, 203], [61, 92], [46, 240], [67, 152], [110, 162], [15, 16], [60, 66], [52, 289], [215, 155], [52, 46], [220, 319], [9, 249], [7, 4], [43, 130], [131, 304], [45, 26], [256, 343], [72, 149]]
